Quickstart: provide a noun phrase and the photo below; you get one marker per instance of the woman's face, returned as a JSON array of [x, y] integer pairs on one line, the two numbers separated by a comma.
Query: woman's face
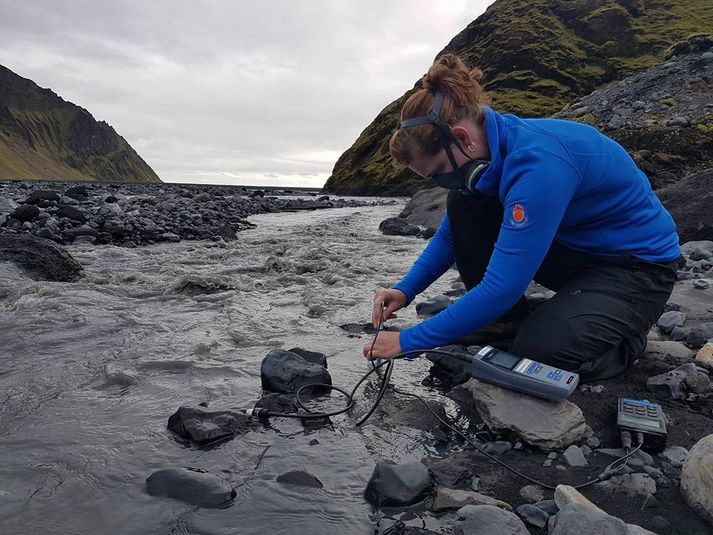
[[428, 165]]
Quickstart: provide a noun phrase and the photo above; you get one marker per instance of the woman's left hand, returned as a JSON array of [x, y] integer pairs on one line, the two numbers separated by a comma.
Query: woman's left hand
[[387, 346]]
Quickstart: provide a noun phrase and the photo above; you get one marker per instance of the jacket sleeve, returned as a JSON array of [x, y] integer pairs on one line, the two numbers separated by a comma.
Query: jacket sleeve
[[435, 259], [536, 189]]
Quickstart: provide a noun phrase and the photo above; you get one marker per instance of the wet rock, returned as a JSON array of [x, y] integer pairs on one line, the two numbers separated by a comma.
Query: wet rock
[[365, 328], [447, 499], [671, 319], [574, 456], [532, 493], [277, 403], [300, 478], [203, 427], [676, 455], [395, 485], [488, 520], [414, 415], [311, 356], [433, 306], [704, 357], [284, 371], [630, 485], [697, 478], [533, 515], [72, 213], [426, 208], [447, 370], [25, 212], [538, 422], [40, 258], [192, 486], [452, 472], [700, 334], [395, 226]]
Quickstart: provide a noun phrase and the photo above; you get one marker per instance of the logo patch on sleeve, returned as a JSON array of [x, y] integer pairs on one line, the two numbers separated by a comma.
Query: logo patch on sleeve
[[518, 216]]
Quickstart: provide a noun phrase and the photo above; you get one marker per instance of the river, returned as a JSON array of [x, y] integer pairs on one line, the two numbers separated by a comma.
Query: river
[[90, 372]]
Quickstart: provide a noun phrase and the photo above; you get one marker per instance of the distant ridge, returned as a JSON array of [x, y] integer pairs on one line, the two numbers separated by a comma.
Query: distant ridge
[[537, 56], [43, 137]]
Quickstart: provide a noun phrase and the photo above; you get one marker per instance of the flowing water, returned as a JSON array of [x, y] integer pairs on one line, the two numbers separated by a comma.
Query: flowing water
[[90, 372]]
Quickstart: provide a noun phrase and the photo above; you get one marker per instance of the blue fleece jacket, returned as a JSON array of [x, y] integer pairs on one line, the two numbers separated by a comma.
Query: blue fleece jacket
[[557, 180]]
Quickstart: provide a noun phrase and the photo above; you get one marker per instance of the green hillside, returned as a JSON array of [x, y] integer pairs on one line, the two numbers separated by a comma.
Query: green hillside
[[537, 56], [43, 137]]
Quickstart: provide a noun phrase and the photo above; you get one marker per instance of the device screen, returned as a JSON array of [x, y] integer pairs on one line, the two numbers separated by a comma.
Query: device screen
[[504, 360]]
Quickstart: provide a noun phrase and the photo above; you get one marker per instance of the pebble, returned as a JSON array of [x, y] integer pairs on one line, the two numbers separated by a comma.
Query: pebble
[[701, 284], [574, 456], [593, 442], [668, 320], [547, 462], [533, 515], [552, 455], [676, 455], [532, 493]]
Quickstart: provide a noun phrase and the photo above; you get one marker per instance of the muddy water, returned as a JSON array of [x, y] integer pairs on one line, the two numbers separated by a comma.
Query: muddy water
[[90, 372]]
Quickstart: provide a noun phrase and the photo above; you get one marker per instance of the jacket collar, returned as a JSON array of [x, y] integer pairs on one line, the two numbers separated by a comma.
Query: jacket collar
[[494, 125]]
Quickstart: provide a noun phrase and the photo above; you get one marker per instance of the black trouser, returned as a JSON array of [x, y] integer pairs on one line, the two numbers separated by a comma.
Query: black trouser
[[596, 324]]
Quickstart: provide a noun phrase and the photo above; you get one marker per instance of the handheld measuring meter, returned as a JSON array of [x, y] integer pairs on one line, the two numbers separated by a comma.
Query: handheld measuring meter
[[521, 374], [643, 417]]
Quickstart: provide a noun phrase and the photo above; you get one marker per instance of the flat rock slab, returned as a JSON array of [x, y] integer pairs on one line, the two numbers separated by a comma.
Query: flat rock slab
[[455, 499], [540, 423], [192, 486], [41, 259]]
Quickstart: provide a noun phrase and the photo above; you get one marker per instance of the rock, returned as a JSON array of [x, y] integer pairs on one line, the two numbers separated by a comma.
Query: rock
[[498, 447], [704, 357], [455, 499], [311, 356], [687, 201], [25, 212], [701, 284], [630, 485], [488, 520], [448, 371], [697, 478], [72, 213], [40, 258], [433, 306], [701, 253], [533, 515], [537, 422], [7, 206], [671, 384], [532, 493], [567, 495], [277, 403], [452, 472], [576, 518], [700, 334], [79, 193], [676, 455], [679, 121], [395, 226], [668, 351], [671, 319], [300, 478], [171, 237], [83, 230], [203, 427], [192, 486], [637, 460], [678, 334], [284, 371], [426, 208], [574, 456], [414, 415], [42, 195], [548, 506], [396, 485], [697, 383]]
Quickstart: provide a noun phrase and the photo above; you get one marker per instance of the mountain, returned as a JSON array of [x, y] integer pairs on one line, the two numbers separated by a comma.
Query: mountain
[[537, 56], [43, 137]]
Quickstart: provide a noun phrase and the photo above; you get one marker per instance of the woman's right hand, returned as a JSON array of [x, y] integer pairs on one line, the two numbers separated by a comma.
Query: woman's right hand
[[386, 302]]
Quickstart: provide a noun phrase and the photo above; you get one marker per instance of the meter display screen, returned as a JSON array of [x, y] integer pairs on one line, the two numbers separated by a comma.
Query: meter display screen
[[504, 360]]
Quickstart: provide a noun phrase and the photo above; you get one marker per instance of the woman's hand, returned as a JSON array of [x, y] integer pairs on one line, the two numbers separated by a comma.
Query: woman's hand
[[387, 346], [386, 302]]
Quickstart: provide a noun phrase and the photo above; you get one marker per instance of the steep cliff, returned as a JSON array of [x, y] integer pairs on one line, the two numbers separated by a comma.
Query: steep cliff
[[43, 137], [537, 56]]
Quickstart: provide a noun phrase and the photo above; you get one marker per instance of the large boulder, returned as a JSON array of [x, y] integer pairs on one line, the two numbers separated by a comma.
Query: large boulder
[[192, 486], [538, 422], [286, 372], [396, 485], [203, 427], [689, 201], [426, 208], [395, 226], [697, 478], [42, 259]]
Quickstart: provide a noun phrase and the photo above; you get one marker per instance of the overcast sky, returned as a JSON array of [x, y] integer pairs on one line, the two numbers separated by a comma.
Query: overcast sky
[[254, 92]]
